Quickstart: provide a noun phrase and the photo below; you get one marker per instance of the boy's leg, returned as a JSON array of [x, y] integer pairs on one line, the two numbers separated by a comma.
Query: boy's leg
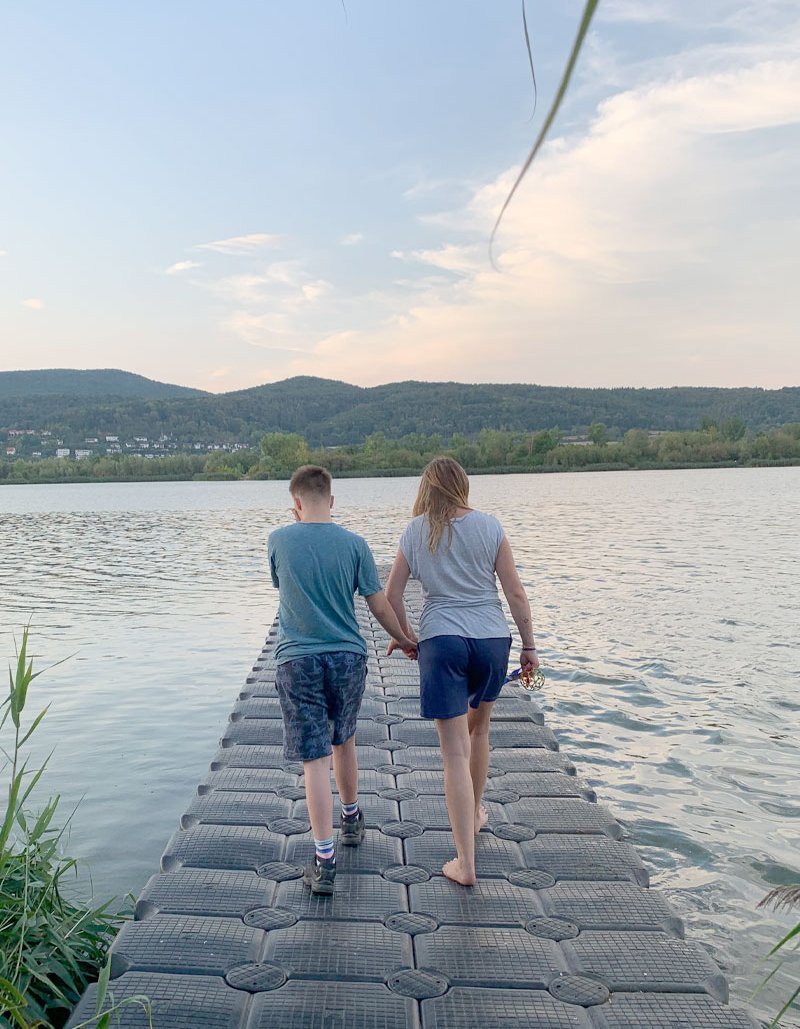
[[345, 770], [301, 689], [345, 680], [319, 801]]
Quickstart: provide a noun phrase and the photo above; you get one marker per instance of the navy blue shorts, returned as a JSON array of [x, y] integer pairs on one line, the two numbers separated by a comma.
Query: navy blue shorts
[[320, 698], [455, 671]]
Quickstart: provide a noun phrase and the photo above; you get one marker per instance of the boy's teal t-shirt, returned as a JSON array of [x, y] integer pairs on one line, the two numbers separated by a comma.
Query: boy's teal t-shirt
[[318, 566]]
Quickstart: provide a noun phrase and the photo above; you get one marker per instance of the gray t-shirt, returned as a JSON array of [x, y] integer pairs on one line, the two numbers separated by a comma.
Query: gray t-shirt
[[459, 587]]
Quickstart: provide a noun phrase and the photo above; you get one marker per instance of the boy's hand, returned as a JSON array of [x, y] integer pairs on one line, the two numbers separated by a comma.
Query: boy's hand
[[407, 645]]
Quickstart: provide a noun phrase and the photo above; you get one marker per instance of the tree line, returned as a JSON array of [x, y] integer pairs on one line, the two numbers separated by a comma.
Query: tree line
[[492, 450]]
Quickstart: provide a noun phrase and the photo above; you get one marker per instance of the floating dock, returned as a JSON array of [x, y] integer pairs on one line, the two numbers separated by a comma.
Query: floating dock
[[560, 931]]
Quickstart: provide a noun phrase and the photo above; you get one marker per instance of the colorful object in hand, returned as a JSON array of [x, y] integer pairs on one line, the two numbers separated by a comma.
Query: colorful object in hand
[[529, 678]]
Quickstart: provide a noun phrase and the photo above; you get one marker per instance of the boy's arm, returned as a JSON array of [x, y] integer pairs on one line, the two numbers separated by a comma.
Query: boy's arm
[[380, 607]]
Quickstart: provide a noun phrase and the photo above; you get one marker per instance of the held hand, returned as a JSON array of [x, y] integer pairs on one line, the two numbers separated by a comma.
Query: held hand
[[528, 660], [407, 645]]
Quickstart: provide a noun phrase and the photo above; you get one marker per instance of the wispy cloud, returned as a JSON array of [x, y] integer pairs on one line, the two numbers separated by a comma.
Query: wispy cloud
[[351, 239], [182, 266], [241, 244], [35, 303]]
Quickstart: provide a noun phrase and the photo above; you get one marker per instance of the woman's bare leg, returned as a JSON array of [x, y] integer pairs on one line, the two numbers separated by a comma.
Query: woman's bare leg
[[478, 722], [460, 796]]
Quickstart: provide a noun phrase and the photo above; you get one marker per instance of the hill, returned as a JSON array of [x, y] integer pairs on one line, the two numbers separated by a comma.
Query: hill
[[330, 413], [92, 384]]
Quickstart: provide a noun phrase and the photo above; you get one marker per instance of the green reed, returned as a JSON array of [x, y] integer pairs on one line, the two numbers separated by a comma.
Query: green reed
[[789, 897], [50, 947]]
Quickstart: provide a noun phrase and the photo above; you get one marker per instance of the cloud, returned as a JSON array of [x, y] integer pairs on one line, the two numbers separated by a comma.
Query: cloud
[[35, 303], [241, 244], [653, 248], [351, 239], [182, 266]]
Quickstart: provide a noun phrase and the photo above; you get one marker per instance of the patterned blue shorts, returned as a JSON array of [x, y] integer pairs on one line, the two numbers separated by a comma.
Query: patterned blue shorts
[[320, 698]]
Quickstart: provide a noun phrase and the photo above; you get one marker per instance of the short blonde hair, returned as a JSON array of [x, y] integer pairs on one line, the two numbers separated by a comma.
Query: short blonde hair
[[443, 488]]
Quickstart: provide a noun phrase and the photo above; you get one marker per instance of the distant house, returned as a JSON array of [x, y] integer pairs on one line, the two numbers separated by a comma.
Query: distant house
[[10, 451], [62, 452], [93, 440], [80, 454], [36, 453], [111, 439]]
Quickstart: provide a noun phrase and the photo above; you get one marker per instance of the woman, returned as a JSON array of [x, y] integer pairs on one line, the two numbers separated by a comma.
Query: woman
[[464, 642]]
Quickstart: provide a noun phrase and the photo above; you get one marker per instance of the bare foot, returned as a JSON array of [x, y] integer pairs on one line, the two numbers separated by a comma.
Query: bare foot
[[454, 870], [481, 818]]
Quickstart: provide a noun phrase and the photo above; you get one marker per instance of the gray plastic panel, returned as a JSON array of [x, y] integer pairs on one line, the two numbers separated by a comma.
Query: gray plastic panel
[[422, 757], [264, 780], [376, 853], [184, 944], [178, 1002], [253, 732], [531, 760], [326, 1005], [514, 734], [488, 902], [556, 815], [430, 782], [645, 962], [668, 1011], [493, 857], [469, 956], [258, 707], [610, 906], [377, 810], [203, 891], [547, 784], [431, 812], [222, 846], [249, 757], [224, 807], [357, 897], [339, 950], [585, 857], [416, 733], [368, 732], [462, 1008]]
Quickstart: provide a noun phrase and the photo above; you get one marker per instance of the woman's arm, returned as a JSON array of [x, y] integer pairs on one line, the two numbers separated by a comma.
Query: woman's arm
[[395, 588], [517, 602]]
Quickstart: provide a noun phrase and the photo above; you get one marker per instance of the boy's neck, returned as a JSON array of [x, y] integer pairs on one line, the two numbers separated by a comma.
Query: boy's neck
[[314, 513]]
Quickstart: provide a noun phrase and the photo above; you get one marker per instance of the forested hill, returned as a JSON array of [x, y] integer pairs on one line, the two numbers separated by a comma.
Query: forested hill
[[330, 413], [91, 385]]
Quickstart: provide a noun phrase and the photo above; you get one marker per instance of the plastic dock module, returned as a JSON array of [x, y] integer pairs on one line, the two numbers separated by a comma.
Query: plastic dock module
[[561, 930]]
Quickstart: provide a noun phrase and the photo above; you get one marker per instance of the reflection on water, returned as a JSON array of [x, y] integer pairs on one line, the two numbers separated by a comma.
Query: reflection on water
[[667, 611]]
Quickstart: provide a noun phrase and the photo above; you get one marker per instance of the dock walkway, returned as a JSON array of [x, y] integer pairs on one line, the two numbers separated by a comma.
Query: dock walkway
[[560, 931]]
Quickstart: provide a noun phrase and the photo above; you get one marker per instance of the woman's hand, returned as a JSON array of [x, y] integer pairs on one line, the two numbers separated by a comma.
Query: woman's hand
[[406, 644], [529, 659]]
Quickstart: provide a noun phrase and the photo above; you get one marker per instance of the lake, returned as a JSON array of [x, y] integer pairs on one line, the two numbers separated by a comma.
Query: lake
[[666, 608]]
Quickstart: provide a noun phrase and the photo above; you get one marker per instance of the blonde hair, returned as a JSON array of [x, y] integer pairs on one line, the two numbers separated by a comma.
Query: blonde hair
[[443, 488]]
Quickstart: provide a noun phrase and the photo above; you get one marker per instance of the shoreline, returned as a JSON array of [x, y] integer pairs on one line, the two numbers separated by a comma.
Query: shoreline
[[410, 473]]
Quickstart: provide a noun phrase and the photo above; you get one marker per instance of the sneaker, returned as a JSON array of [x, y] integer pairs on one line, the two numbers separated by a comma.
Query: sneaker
[[320, 875], [352, 830]]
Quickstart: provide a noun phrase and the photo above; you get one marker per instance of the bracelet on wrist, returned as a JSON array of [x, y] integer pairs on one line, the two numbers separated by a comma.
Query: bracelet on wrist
[[527, 648]]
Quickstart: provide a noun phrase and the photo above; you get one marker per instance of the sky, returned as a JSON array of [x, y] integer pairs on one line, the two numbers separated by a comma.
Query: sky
[[223, 195]]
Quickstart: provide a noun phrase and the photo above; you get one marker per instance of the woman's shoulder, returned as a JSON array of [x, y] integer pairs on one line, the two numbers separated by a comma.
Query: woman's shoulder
[[484, 518]]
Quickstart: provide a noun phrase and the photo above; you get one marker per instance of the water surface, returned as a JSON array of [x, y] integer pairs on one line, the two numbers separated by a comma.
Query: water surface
[[666, 605]]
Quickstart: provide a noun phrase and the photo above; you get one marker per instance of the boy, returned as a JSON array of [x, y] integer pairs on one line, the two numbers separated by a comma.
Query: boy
[[322, 658]]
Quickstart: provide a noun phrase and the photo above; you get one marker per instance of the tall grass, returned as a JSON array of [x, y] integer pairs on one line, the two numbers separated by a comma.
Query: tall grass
[[50, 947], [789, 897]]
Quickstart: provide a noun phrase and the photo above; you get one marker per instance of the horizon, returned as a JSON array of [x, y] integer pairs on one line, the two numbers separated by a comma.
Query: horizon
[[278, 196], [393, 382]]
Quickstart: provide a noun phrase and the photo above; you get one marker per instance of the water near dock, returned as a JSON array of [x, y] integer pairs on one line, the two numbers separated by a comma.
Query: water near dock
[[668, 610]]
